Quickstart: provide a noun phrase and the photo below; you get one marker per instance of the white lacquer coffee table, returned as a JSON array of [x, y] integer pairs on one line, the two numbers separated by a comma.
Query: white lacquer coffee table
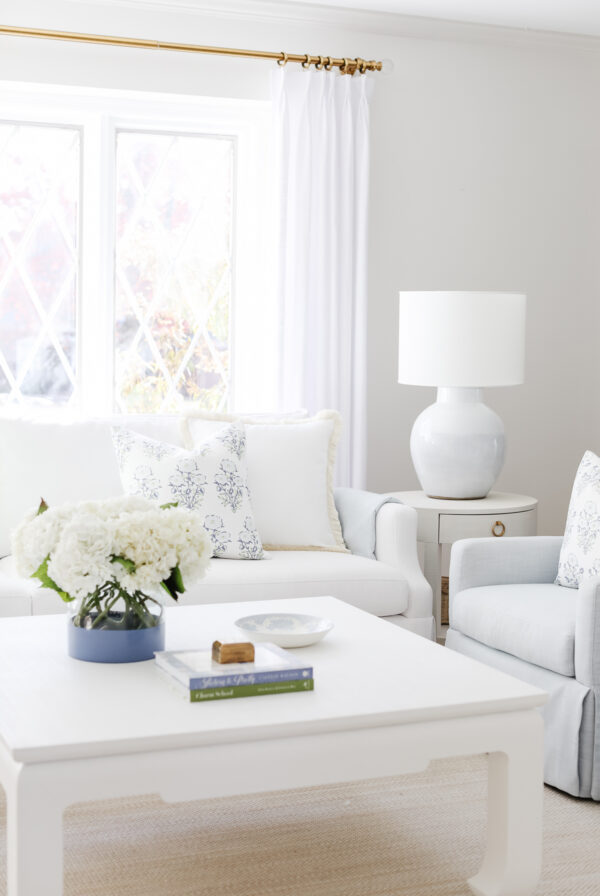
[[385, 702]]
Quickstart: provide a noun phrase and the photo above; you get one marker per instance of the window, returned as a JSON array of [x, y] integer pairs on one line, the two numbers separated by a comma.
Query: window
[[174, 194], [39, 269], [134, 233]]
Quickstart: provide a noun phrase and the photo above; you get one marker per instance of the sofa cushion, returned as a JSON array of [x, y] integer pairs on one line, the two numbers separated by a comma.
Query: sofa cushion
[[367, 584], [580, 552], [211, 480], [535, 623], [290, 477], [55, 461], [70, 461], [16, 592]]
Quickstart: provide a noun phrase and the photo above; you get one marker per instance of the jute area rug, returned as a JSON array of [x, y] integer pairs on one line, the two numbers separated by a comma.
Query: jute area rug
[[416, 835]]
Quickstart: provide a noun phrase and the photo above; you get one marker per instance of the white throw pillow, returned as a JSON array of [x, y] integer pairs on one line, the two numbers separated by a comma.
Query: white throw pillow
[[580, 552], [210, 480], [55, 461], [63, 461], [290, 477], [207, 423]]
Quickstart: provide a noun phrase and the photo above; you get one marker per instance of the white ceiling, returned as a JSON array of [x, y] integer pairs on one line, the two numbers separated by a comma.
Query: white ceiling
[[571, 16]]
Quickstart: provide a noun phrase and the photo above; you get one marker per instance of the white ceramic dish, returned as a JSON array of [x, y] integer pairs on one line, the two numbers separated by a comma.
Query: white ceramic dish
[[284, 629]]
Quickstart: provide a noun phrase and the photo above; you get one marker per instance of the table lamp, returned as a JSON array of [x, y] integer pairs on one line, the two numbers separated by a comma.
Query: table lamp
[[460, 342]]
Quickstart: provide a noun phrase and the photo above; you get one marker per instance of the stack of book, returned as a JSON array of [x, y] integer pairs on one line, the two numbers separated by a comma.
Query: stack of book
[[199, 678]]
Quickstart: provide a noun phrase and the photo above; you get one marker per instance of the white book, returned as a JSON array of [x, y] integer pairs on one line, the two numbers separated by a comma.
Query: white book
[[197, 670]]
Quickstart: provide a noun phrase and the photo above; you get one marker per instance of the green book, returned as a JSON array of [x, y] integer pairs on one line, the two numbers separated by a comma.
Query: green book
[[251, 690]]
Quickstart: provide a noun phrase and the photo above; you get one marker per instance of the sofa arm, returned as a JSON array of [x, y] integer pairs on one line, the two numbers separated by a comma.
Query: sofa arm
[[503, 561], [396, 545], [587, 633], [15, 592]]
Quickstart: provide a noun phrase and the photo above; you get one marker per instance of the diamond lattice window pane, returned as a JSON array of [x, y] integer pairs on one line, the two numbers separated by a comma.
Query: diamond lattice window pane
[[19, 323], [46, 375], [63, 323], [4, 383], [4, 259], [173, 271], [39, 209], [48, 262]]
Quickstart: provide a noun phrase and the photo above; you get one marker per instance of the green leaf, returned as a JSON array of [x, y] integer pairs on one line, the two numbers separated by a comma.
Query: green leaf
[[41, 573], [171, 504], [128, 564], [164, 585], [174, 584], [42, 508], [177, 579]]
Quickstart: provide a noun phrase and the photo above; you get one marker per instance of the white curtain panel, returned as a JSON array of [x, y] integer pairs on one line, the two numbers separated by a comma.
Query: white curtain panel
[[322, 134]]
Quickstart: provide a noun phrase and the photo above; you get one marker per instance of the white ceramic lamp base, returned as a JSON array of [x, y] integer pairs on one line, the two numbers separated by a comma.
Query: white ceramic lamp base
[[457, 445]]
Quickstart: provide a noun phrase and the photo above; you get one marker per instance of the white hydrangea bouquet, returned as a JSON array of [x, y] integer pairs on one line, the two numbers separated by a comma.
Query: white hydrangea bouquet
[[112, 557]]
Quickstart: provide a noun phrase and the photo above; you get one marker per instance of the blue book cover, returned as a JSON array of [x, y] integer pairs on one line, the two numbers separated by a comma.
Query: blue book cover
[[197, 670]]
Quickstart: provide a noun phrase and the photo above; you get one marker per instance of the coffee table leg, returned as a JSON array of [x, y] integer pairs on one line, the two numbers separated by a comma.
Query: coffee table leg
[[34, 835], [513, 858]]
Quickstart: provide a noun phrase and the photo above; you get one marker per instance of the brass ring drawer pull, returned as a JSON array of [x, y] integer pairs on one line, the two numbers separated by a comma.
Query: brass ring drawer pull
[[498, 529]]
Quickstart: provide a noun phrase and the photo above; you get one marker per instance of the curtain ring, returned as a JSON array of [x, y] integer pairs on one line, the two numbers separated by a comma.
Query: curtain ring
[[328, 65], [362, 65], [320, 63], [306, 63], [283, 60]]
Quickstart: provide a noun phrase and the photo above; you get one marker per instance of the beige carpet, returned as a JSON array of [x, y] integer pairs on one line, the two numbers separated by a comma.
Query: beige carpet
[[417, 835]]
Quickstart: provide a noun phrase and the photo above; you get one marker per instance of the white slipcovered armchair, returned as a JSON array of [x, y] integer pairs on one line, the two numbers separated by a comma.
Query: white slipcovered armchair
[[506, 611]]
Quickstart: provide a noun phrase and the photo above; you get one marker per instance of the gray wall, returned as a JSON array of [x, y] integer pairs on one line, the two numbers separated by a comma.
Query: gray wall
[[485, 175]]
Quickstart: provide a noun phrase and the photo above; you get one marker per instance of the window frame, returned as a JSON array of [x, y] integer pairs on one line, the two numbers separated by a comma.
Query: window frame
[[100, 115]]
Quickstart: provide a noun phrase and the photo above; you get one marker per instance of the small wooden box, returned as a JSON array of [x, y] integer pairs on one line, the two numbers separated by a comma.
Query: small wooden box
[[239, 652]]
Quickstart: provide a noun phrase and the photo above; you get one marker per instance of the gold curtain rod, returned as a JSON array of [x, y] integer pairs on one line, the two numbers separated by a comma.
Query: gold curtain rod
[[346, 66]]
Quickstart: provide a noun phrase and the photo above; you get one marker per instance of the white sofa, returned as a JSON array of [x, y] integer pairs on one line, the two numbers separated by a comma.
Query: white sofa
[[67, 462]]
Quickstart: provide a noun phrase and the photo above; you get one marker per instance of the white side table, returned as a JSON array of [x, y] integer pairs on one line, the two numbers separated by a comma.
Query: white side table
[[444, 522]]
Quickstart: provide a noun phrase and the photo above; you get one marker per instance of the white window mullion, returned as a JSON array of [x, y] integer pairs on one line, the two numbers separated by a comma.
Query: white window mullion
[[96, 308]]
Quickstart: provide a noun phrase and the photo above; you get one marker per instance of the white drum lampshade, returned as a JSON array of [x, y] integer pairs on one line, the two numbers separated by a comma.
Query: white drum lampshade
[[460, 342]]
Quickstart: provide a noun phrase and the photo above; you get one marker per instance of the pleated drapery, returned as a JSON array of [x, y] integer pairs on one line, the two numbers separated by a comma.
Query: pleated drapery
[[322, 135]]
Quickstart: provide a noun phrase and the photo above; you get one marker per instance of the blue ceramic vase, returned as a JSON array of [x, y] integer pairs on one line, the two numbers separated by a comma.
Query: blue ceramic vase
[[115, 646]]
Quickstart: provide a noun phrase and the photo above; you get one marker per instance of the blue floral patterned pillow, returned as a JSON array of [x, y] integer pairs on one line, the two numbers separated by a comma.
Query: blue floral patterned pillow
[[210, 480], [580, 551]]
